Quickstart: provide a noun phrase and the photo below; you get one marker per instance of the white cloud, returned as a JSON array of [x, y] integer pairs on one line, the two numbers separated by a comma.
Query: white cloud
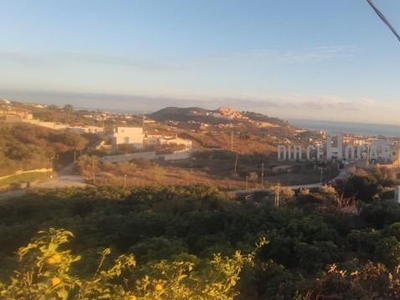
[[56, 59], [308, 55], [316, 54]]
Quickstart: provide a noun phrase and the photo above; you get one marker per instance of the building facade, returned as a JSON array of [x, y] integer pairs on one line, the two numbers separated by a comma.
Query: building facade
[[129, 136]]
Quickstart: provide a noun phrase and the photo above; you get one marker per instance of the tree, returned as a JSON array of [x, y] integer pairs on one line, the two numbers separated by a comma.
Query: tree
[[68, 108], [361, 187], [73, 140]]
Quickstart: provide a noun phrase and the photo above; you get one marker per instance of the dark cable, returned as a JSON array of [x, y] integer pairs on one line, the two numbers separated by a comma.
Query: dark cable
[[383, 18]]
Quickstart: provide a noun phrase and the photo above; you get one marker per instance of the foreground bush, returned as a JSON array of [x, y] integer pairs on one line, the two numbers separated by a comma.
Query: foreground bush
[[44, 272]]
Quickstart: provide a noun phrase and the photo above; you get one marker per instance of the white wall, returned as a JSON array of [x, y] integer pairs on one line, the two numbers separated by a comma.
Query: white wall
[[129, 135]]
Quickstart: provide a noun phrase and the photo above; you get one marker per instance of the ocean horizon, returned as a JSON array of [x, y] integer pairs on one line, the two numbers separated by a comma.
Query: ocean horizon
[[348, 127]]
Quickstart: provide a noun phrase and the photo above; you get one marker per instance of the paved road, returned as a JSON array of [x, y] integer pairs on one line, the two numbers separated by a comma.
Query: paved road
[[304, 186], [292, 187], [66, 178], [343, 174]]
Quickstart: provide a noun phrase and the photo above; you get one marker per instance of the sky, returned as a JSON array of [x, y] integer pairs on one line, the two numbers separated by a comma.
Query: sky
[[311, 59]]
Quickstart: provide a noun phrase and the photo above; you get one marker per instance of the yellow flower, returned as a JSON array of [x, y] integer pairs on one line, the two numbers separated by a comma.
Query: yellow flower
[[54, 281], [54, 259]]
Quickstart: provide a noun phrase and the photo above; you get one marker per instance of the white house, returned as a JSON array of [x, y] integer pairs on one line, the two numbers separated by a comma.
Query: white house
[[152, 140], [129, 136], [86, 129], [175, 140]]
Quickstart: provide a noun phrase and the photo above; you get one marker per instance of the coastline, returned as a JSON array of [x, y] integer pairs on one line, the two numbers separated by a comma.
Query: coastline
[[348, 127]]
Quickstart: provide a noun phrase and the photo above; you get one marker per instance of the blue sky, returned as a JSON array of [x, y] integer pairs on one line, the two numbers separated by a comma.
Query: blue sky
[[315, 59]]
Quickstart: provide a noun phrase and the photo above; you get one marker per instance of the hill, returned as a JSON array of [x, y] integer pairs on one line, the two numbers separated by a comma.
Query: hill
[[225, 128], [178, 114], [217, 116]]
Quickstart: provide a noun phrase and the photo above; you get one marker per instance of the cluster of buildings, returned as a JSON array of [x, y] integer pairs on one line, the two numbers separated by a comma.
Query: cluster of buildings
[[9, 113], [60, 126], [358, 150], [224, 113], [133, 136], [136, 137], [12, 114]]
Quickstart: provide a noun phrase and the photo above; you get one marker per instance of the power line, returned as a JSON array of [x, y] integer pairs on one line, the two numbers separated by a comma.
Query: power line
[[383, 18]]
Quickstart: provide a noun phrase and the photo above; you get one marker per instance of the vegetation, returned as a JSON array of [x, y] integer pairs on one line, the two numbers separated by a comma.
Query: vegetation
[[18, 180], [25, 147], [223, 169], [192, 242], [45, 272], [130, 238]]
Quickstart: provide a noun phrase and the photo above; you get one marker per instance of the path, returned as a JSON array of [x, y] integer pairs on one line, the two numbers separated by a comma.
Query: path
[[66, 178]]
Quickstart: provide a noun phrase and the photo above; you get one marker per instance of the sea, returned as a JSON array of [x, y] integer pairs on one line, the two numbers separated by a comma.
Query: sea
[[348, 127]]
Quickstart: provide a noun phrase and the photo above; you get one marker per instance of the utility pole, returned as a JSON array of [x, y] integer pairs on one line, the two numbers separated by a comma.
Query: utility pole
[[125, 181], [262, 175], [232, 140], [93, 171], [277, 195], [144, 124], [236, 162]]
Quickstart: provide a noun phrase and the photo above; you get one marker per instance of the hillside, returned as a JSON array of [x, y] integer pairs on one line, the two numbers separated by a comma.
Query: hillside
[[225, 128], [178, 114], [217, 116], [24, 146], [228, 145]]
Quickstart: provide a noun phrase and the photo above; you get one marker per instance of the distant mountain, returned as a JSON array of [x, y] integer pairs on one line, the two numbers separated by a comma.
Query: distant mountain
[[178, 114], [226, 128], [220, 115], [263, 118]]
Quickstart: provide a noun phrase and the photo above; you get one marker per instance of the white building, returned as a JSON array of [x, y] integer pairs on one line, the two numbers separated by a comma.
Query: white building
[[51, 125], [86, 129], [152, 140], [129, 136], [175, 140]]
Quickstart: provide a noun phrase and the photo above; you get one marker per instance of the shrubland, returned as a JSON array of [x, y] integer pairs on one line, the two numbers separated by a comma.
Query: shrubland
[[193, 242], [24, 146]]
